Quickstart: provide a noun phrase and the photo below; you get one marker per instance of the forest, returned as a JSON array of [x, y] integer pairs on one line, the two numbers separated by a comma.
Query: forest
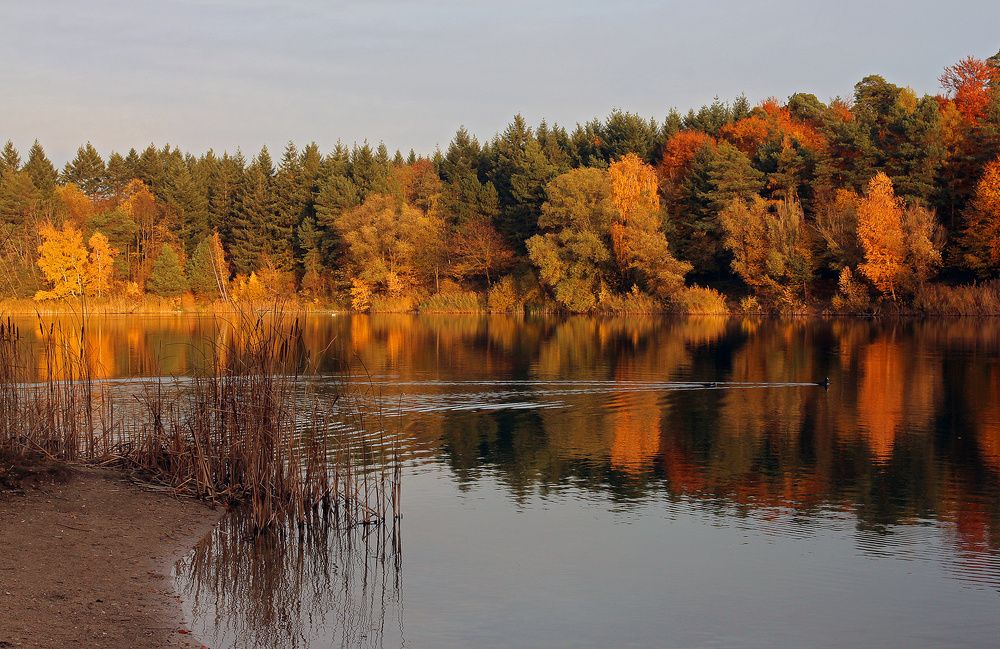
[[884, 202]]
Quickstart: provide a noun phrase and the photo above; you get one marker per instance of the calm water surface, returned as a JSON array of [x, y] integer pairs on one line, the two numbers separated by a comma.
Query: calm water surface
[[633, 482]]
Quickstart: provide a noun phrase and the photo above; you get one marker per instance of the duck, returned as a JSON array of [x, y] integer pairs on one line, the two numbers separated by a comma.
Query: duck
[[825, 383]]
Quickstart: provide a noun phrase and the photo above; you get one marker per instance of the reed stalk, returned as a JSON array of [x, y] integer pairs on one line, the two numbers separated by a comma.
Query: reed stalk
[[254, 430]]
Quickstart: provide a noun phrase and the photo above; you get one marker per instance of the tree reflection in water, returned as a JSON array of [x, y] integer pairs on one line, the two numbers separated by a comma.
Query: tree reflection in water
[[331, 586]]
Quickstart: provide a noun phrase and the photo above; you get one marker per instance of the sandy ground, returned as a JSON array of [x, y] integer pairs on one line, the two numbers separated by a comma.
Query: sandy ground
[[85, 561]]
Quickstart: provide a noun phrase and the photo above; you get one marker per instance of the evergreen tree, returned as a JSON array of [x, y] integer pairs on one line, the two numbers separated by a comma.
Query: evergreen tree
[[118, 174], [201, 276], [624, 133], [292, 197], [42, 173], [87, 171], [150, 170], [257, 210], [189, 202], [368, 171], [336, 195], [10, 159], [463, 157], [167, 278]]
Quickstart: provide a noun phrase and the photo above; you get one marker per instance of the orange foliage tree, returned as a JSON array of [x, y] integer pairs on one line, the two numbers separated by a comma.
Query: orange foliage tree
[[75, 206], [678, 154], [981, 238], [880, 231], [970, 82]]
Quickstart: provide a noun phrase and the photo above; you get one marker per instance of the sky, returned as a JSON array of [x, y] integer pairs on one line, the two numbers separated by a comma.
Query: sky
[[228, 74]]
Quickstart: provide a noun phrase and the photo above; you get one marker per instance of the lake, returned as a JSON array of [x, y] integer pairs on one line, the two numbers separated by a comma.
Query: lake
[[630, 482]]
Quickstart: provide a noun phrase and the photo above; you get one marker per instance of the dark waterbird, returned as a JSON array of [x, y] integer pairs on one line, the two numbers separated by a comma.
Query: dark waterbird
[[825, 383]]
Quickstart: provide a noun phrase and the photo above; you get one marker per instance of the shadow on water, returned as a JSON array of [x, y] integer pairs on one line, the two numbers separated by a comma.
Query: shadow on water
[[332, 586]]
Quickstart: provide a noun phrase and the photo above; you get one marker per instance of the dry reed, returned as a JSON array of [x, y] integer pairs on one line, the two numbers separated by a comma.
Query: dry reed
[[255, 430]]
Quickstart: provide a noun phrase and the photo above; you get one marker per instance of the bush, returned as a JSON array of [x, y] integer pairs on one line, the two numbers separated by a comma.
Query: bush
[[698, 300], [634, 302], [460, 302], [504, 296]]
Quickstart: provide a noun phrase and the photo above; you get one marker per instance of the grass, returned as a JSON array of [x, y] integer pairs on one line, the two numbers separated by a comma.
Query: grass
[[255, 430]]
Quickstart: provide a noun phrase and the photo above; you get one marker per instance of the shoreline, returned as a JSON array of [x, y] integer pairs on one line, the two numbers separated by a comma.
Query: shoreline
[[86, 558]]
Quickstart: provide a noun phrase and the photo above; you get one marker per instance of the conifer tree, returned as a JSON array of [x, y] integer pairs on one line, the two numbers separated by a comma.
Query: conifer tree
[[87, 171], [167, 278], [10, 159], [200, 272], [257, 209], [42, 173]]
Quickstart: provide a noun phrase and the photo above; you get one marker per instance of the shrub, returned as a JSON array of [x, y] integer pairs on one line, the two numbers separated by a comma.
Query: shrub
[[504, 296], [698, 300], [460, 302]]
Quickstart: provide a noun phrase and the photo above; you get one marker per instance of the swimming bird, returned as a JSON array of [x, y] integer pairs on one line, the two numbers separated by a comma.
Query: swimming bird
[[825, 383], [709, 385]]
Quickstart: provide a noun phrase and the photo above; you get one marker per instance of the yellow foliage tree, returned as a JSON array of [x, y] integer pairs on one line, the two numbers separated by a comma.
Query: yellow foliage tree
[[880, 231], [981, 238], [636, 236], [769, 246], [634, 188], [101, 265], [63, 261]]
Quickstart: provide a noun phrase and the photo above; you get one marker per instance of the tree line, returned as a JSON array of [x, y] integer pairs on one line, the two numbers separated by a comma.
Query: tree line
[[856, 204]]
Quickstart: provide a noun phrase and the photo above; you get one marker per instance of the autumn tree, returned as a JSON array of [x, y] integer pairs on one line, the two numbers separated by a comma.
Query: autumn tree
[[479, 249], [981, 237], [970, 82], [574, 253], [63, 261], [769, 245], [836, 224], [100, 265], [637, 235], [880, 231], [391, 248]]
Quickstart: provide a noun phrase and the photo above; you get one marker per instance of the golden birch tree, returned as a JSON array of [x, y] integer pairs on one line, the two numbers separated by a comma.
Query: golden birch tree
[[62, 259], [101, 265]]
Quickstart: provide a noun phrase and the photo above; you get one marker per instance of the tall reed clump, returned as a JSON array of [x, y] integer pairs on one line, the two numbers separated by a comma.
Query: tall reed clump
[[49, 401], [257, 429]]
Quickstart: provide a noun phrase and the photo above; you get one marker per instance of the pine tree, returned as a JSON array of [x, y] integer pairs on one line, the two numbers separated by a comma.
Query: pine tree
[[201, 275], [167, 278], [257, 209], [87, 171], [10, 159], [42, 173]]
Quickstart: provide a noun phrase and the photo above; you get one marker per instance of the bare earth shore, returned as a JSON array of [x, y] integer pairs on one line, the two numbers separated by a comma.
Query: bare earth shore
[[85, 561]]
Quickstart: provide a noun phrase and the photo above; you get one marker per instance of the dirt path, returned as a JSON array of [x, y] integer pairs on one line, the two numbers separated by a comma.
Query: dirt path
[[85, 562]]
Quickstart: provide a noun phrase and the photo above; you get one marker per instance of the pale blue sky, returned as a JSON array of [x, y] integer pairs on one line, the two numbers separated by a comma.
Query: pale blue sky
[[223, 74]]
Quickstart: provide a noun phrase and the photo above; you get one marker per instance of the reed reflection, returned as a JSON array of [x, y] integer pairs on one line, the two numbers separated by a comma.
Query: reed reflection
[[331, 586]]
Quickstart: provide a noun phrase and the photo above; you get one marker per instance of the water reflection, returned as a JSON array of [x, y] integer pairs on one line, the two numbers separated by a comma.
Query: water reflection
[[329, 587], [685, 417]]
